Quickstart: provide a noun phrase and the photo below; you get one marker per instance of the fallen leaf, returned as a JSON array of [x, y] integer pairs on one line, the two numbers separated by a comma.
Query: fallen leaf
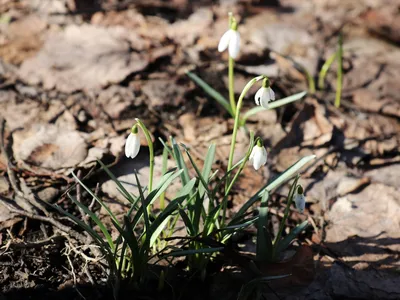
[[48, 146], [85, 57]]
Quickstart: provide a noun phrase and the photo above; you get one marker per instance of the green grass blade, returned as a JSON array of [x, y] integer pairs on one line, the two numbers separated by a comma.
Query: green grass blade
[[274, 105], [180, 161], [97, 199], [163, 171], [211, 221], [324, 70], [247, 289], [274, 184], [264, 246], [89, 230], [203, 180], [193, 252], [94, 217], [212, 92], [159, 223], [121, 188], [157, 231], [208, 162], [339, 80], [289, 172], [189, 226], [144, 206], [283, 244], [151, 198]]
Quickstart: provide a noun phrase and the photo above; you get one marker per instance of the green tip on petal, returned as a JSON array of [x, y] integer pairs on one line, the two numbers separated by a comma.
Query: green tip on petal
[[134, 129], [300, 190], [266, 83]]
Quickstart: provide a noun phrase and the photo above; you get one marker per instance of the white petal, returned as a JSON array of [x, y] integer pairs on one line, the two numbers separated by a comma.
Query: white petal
[[257, 97], [258, 157], [253, 152], [234, 44], [132, 145], [224, 41], [264, 156], [265, 98], [128, 142], [271, 94], [300, 202]]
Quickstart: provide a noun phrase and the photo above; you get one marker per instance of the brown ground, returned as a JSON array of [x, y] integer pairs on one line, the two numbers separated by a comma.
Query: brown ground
[[75, 74]]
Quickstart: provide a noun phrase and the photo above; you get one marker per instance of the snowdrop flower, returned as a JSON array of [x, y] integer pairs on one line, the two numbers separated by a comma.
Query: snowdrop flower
[[258, 156], [300, 199], [265, 94], [230, 40], [132, 144]]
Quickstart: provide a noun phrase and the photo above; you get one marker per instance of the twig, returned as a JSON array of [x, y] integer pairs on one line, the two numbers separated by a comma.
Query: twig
[[66, 229], [51, 240]]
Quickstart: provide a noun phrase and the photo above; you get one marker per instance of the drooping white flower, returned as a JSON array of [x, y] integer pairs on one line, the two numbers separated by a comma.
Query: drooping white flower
[[230, 40], [263, 96], [258, 156], [132, 144], [300, 199]]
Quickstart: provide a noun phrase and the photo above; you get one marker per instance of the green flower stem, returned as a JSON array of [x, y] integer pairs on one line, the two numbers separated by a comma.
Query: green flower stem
[[234, 134], [286, 214], [151, 151], [324, 70], [163, 171], [339, 72], [311, 82], [231, 85]]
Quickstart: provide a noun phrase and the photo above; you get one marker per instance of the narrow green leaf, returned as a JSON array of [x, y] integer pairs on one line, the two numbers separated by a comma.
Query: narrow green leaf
[[143, 207], [180, 161], [208, 162], [262, 242], [274, 104], [283, 244], [189, 226], [339, 80], [274, 184], [171, 207], [96, 220], [157, 231], [324, 70], [203, 180], [289, 172], [97, 199], [212, 92], [163, 171], [89, 230], [121, 188], [151, 198], [194, 251], [247, 289]]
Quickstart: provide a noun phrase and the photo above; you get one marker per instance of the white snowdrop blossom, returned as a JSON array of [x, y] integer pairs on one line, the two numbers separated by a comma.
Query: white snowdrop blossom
[[258, 156], [263, 96], [132, 144], [300, 199], [230, 40]]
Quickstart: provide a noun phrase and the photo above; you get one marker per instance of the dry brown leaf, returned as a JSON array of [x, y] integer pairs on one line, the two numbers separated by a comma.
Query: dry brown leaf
[[361, 223], [85, 57], [49, 146]]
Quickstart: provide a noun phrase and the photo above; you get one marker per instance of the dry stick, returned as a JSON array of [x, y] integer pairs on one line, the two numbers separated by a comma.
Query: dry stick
[[25, 193], [64, 228], [96, 252], [44, 242]]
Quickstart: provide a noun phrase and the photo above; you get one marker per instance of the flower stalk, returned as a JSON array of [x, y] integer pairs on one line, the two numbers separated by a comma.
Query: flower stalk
[[151, 152], [286, 214], [234, 135]]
